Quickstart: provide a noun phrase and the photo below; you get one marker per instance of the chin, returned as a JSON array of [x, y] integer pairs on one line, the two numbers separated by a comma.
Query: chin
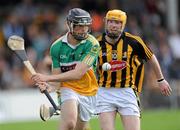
[[113, 36]]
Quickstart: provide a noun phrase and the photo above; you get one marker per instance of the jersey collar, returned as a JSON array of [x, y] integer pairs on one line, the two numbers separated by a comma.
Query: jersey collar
[[64, 39]]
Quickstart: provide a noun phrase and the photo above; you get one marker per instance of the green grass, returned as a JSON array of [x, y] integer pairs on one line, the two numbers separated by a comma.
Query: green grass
[[151, 120]]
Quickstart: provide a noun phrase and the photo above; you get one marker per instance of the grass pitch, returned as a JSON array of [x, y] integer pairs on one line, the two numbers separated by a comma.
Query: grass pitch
[[151, 120]]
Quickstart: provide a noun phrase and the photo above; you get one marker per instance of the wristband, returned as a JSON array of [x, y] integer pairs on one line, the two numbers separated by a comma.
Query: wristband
[[159, 80]]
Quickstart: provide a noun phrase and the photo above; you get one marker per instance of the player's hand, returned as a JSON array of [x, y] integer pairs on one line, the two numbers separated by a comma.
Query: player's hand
[[165, 88], [40, 78], [43, 86]]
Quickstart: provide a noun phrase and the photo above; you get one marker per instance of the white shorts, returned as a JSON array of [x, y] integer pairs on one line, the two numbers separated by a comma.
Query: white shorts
[[86, 104], [122, 100]]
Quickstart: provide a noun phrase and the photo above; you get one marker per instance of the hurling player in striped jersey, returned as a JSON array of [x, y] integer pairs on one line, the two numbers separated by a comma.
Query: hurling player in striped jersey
[[126, 53]]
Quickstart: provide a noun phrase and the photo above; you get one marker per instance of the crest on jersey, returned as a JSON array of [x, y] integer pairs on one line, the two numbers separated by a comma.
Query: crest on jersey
[[95, 49], [114, 54]]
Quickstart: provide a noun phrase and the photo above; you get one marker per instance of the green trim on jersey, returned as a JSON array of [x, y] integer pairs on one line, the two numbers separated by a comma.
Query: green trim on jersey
[[65, 56]]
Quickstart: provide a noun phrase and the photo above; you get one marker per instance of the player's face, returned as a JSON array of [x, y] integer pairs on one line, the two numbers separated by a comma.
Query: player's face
[[113, 27], [81, 31]]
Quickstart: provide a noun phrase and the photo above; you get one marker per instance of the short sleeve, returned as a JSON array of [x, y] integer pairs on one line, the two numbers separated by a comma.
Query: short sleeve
[[91, 51], [54, 52], [141, 49]]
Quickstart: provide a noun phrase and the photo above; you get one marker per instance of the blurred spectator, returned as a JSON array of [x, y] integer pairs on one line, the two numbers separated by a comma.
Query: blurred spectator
[[11, 76], [39, 39], [12, 26], [26, 11], [16, 79], [164, 53], [174, 43], [133, 26]]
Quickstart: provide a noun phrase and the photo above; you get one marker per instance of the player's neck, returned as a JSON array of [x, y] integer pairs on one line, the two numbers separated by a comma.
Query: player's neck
[[72, 40], [110, 40]]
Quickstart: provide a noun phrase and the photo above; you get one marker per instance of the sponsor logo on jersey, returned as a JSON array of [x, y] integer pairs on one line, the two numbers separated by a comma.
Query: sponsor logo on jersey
[[68, 68], [63, 56], [117, 65]]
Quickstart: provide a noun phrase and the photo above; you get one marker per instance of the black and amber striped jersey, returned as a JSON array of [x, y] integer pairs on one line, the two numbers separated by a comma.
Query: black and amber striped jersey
[[127, 58], [138, 77]]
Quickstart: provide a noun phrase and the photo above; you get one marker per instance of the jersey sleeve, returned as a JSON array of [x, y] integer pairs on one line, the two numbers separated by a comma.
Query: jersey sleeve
[[142, 50], [91, 51], [54, 52]]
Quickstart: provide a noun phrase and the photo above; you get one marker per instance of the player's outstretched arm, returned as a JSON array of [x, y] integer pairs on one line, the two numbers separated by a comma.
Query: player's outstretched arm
[[163, 84], [75, 74]]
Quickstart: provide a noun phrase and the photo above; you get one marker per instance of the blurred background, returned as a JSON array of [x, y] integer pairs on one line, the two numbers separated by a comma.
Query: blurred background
[[42, 22]]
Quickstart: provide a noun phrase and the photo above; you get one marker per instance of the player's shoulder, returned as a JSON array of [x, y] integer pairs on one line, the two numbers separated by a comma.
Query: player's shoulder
[[127, 34], [56, 45], [133, 37], [57, 42], [92, 39]]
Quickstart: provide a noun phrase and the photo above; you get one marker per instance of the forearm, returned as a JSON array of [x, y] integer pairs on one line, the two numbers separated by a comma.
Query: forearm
[[163, 84], [75, 74], [54, 86], [156, 67], [67, 76]]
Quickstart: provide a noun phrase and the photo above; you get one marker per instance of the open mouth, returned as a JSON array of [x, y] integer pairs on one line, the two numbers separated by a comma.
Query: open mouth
[[114, 30]]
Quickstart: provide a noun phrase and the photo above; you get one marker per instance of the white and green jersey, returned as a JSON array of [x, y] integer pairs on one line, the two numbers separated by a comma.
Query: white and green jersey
[[65, 56]]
